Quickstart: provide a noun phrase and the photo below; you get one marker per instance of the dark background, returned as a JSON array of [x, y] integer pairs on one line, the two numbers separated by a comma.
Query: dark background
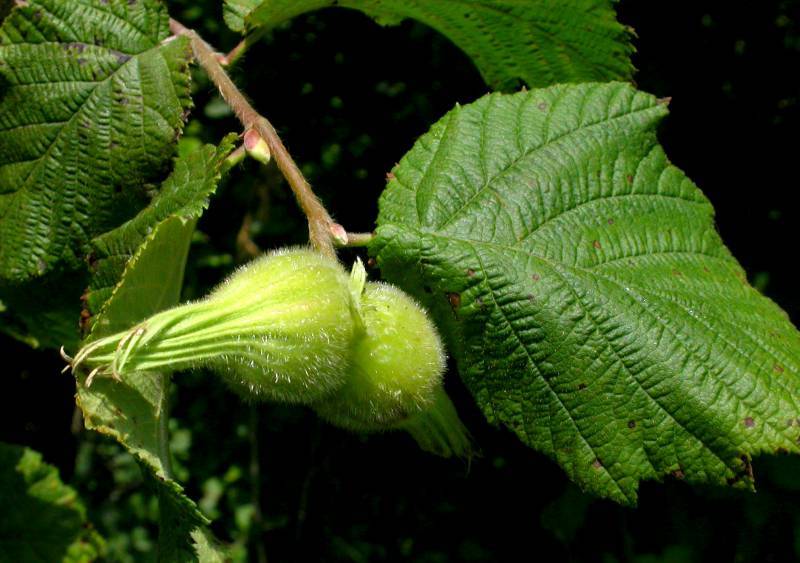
[[349, 99]]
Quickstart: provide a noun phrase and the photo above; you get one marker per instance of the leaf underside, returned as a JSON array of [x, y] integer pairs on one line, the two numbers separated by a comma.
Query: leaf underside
[[143, 261], [92, 104], [587, 297], [184, 193], [537, 42]]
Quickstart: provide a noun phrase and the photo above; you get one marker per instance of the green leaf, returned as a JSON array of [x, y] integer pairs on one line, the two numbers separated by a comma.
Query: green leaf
[[44, 312], [538, 42], [94, 100], [134, 411], [209, 550], [185, 193], [587, 297], [43, 519], [235, 12]]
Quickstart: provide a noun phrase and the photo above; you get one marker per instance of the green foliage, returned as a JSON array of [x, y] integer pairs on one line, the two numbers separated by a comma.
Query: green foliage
[[103, 102], [207, 549], [43, 519], [588, 298], [183, 194], [583, 290], [236, 11], [93, 102], [134, 411], [44, 312], [538, 42]]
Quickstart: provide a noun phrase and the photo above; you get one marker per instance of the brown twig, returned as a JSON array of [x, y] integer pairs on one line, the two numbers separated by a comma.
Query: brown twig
[[320, 224]]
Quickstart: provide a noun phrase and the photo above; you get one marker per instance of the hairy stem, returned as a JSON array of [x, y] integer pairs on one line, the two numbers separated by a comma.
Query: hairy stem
[[236, 53], [233, 159], [358, 239], [319, 221]]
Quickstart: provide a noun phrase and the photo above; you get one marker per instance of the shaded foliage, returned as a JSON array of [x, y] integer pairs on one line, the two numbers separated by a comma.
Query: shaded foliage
[[347, 112]]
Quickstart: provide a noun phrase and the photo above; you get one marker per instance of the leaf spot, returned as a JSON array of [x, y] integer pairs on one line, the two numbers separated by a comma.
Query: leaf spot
[[76, 46], [84, 321], [777, 368], [122, 58], [596, 244], [455, 300], [749, 422], [631, 424]]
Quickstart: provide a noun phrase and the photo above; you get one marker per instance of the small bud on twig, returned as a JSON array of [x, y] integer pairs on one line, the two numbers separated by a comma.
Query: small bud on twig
[[339, 234], [256, 146]]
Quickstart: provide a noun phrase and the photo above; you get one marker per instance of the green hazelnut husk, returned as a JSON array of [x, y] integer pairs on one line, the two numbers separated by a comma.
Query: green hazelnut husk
[[280, 328], [394, 379], [396, 364]]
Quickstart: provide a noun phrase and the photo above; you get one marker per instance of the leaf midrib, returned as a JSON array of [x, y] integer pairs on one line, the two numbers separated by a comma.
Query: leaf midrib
[[488, 183], [25, 184], [30, 173], [553, 266], [552, 391], [97, 8]]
